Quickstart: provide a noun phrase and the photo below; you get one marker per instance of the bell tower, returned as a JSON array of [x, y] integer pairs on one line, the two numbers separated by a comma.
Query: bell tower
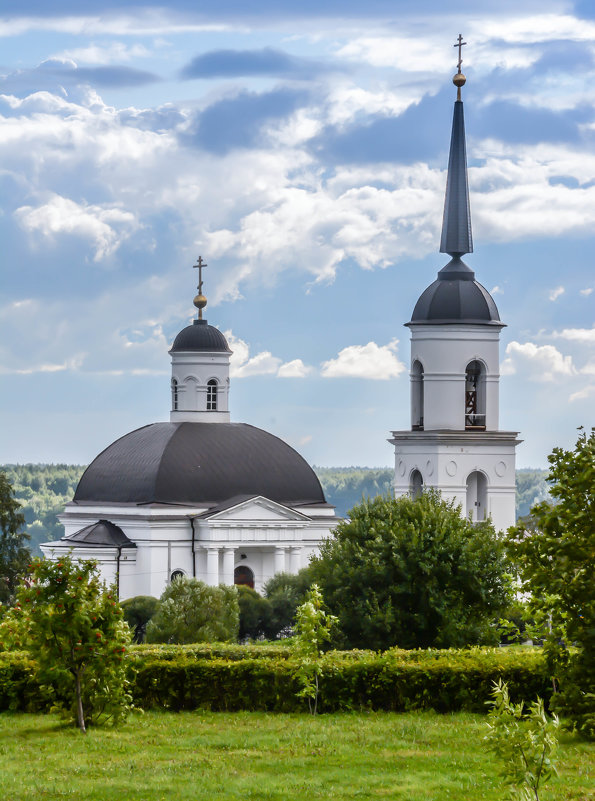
[[200, 369], [455, 444]]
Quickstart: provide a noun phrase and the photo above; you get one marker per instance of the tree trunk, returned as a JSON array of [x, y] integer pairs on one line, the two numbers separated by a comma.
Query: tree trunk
[[79, 704]]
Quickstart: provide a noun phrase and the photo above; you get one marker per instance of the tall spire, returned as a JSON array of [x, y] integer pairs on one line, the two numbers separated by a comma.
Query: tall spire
[[456, 223]]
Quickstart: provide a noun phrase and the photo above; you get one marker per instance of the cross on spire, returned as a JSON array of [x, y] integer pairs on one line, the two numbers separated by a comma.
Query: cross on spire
[[460, 44], [200, 301]]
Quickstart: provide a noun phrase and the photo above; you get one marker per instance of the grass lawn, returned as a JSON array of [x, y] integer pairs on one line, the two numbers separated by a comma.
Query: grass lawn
[[202, 755]]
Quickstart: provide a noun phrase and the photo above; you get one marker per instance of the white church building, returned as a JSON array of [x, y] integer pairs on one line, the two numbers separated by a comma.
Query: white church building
[[197, 496], [454, 443]]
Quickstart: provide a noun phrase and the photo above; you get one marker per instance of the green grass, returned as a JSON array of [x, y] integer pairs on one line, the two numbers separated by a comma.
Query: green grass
[[202, 755]]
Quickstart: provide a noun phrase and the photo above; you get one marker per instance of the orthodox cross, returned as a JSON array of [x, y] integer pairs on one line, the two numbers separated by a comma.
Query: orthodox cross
[[200, 301], [460, 44], [200, 264]]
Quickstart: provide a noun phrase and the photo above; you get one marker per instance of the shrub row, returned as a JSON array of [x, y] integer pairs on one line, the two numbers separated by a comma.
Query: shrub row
[[176, 678]]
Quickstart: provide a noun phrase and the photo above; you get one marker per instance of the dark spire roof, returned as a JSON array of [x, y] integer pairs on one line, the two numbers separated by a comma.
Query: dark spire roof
[[456, 297], [99, 535], [456, 222]]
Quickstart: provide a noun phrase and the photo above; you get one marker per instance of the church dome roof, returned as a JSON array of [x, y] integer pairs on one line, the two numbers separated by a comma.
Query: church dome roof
[[456, 297], [200, 336], [198, 464]]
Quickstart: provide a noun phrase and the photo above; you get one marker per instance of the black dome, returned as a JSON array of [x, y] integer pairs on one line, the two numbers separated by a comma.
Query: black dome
[[456, 297], [200, 336], [196, 464]]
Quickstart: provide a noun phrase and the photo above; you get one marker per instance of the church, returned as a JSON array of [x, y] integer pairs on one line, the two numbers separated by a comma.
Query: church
[[203, 497], [198, 496]]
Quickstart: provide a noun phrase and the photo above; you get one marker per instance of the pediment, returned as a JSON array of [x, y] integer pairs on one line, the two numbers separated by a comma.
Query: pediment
[[257, 508]]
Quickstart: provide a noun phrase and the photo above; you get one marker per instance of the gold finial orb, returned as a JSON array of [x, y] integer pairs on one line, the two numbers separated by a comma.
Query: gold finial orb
[[200, 301], [459, 80]]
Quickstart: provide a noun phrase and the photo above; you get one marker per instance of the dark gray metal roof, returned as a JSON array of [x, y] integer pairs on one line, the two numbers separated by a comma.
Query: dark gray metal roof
[[456, 297], [98, 535], [200, 336], [198, 463], [456, 222]]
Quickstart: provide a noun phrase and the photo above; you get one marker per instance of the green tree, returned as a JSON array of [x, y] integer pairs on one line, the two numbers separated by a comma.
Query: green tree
[[525, 743], [413, 573], [137, 613], [14, 554], [255, 615], [78, 638], [191, 611], [313, 627], [555, 553]]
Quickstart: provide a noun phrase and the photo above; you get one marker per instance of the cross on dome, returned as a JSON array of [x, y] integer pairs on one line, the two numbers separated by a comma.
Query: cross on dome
[[200, 301]]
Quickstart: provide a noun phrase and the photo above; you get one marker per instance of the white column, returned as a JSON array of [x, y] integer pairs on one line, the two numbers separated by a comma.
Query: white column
[[280, 551], [229, 558], [213, 566], [295, 559]]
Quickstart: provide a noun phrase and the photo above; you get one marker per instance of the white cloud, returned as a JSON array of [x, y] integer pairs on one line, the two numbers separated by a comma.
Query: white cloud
[[106, 227], [105, 54], [536, 362], [294, 369], [555, 293], [243, 365], [496, 291], [378, 362], [582, 394], [581, 335], [586, 292]]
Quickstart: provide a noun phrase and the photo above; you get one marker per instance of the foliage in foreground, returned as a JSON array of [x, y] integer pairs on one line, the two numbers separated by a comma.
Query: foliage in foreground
[[232, 677], [72, 627], [524, 742], [14, 554], [555, 551], [191, 611], [137, 613], [413, 573], [312, 630]]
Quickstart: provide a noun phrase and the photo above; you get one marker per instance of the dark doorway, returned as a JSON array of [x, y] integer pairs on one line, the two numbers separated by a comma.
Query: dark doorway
[[243, 576]]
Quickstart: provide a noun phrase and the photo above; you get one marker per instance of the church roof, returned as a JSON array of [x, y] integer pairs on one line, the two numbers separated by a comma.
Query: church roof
[[200, 336], [99, 535], [198, 464]]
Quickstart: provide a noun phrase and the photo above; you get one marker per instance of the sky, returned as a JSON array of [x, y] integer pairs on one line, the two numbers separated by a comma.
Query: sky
[[301, 149]]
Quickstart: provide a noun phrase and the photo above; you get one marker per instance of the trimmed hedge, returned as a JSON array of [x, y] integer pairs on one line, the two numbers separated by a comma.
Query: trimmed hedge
[[235, 678]]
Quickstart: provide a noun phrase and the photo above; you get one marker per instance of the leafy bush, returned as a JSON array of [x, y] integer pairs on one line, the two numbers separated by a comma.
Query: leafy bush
[[72, 627], [137, 613], [555, 552], [413, 573], [232, 677], [191, 611]]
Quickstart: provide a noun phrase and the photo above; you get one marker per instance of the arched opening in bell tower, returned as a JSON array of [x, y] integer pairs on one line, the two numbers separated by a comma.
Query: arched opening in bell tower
[[417, 396], [475, 396], [416, 484], [477, 496]]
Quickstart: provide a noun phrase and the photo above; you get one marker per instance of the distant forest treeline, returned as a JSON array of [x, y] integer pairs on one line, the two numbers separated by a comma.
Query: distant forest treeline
[[44, 489]]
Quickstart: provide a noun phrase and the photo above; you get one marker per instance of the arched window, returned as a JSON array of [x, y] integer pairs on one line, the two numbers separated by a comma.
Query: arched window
[[211, 395], [475, 396], [477, 496], [243, 576], [177, 574], [416, 484], [417, 396], [174, 395]]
